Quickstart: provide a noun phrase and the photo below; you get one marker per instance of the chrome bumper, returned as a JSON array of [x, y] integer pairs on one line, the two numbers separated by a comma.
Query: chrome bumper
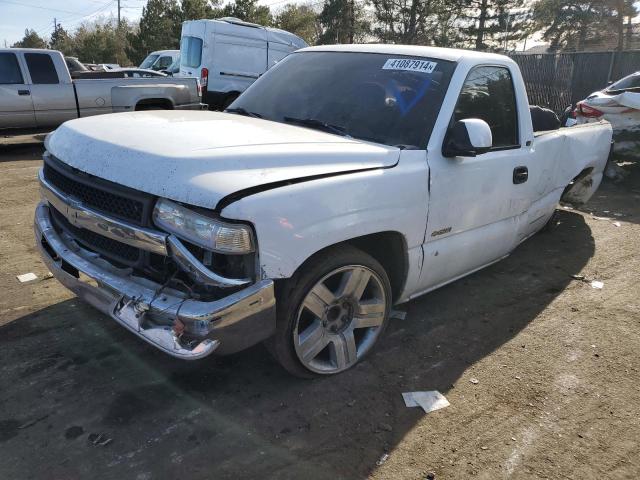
[[174, 323], [144, 238]]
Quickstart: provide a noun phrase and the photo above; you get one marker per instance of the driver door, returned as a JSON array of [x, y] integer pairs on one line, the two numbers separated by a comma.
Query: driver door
[[473, 212]]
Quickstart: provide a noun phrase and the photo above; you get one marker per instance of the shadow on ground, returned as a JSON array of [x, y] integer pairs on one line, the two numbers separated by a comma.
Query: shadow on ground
[[72, 378]]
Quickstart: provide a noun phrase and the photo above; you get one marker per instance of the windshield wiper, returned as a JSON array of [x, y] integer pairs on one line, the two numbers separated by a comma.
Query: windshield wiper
[[319, 124], [242, 111]]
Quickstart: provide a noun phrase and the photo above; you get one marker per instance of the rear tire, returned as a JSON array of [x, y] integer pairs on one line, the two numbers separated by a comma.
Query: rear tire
[[228, 100], [330, 313]]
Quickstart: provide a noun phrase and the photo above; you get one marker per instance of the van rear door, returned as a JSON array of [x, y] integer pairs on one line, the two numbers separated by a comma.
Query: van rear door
[[192, 44]]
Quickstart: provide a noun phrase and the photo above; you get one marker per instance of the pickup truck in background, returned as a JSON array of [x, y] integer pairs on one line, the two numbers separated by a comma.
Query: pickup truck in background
[[345, 180], [37, 92]]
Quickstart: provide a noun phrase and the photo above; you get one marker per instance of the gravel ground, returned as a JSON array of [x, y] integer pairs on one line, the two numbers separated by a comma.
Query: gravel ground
[[556, 363]]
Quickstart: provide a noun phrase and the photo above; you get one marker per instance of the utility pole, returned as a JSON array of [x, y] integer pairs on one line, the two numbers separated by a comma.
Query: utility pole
[[119, 13], [352, 21], [506, 33], [620, 24], [55, 25]]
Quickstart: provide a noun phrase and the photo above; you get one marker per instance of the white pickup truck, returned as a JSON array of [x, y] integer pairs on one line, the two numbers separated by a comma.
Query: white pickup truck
[[346, 180], [37, 92]]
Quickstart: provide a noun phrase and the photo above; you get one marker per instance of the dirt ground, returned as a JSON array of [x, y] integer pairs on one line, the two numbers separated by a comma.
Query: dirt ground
[[556, 362]]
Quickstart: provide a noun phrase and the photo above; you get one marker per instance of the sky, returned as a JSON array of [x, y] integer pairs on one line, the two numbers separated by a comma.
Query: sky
[[17, 15]]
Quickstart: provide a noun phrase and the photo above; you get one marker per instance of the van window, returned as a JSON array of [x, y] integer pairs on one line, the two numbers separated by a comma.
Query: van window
[[488, 94], [9, 69], [190, 51], [41, 68], [164, 62]]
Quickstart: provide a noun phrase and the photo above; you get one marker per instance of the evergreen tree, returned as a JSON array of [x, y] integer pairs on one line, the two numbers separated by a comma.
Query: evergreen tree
[[159, 29], [343, 21], [414, 21], [493, 24], [572, 24], [103, 41], [301, 20], [31, 40], [60, 40], [249, 11], [199, 9]]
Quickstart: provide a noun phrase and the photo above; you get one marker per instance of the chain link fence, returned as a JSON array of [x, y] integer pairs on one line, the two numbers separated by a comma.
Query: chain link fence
[[556, 80]]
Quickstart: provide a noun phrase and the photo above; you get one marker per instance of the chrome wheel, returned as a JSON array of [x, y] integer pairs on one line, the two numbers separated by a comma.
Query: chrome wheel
[[340, 319]]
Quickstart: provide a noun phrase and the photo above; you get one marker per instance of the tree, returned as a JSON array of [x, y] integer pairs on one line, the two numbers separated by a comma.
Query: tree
[[568, 24], [103, 41], [199, 9], [159, 29], [31, 40], [414, 21], [249, 11], [631, 12], [492, 24], [300, 20], [343, 21], [60, 40]]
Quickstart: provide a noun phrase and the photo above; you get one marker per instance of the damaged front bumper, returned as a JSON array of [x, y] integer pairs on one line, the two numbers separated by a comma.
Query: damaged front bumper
[[170, 320]]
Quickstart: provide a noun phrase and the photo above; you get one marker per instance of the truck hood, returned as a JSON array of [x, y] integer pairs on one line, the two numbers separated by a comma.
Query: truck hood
[[200, 157]]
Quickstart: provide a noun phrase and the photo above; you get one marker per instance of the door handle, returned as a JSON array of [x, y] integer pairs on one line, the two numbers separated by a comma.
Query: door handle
[[520, 175], [24, 92]]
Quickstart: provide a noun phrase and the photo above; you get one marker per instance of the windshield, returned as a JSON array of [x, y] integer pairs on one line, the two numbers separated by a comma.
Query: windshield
[[147, 62], [632, 81], [389, 99]]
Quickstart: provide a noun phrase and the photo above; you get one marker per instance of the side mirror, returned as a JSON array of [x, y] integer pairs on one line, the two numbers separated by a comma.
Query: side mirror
[[467, 138]]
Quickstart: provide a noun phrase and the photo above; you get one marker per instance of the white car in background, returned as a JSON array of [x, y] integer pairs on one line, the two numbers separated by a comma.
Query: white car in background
[[619, 104]]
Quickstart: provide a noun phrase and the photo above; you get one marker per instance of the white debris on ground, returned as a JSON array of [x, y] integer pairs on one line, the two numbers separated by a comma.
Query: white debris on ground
[[26, 277], [594, 283], [382, 459], [430, 401]]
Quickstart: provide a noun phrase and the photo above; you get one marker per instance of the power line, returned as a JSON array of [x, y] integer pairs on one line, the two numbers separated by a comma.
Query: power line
[[38, 6], [74, 19]]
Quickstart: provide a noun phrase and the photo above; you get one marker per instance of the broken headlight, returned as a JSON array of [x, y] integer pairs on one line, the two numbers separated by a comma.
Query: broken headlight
[[206, 232]]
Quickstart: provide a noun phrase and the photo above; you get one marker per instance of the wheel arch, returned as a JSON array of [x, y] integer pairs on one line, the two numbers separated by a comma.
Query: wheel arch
[[150, 103], [389, 248]]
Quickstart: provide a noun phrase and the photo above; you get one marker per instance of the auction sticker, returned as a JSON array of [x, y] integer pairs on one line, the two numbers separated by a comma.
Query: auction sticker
[[412, 65]]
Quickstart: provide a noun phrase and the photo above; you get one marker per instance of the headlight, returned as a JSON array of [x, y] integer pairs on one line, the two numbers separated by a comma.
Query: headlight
[[203, 231]]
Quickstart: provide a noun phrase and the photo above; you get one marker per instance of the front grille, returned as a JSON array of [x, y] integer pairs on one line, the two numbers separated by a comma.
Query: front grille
[[110, 198], [120, 252]]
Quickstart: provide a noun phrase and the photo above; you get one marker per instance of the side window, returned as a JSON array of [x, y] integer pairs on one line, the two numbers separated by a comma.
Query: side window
[[164, 62], [488, 94], [9, 69], [41, 68]]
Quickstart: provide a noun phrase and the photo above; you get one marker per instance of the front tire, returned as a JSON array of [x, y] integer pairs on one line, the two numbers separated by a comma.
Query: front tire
[[330, 313]]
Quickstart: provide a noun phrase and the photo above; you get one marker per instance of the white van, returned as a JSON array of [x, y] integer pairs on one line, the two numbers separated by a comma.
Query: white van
[[228, 55], [161, 59]]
